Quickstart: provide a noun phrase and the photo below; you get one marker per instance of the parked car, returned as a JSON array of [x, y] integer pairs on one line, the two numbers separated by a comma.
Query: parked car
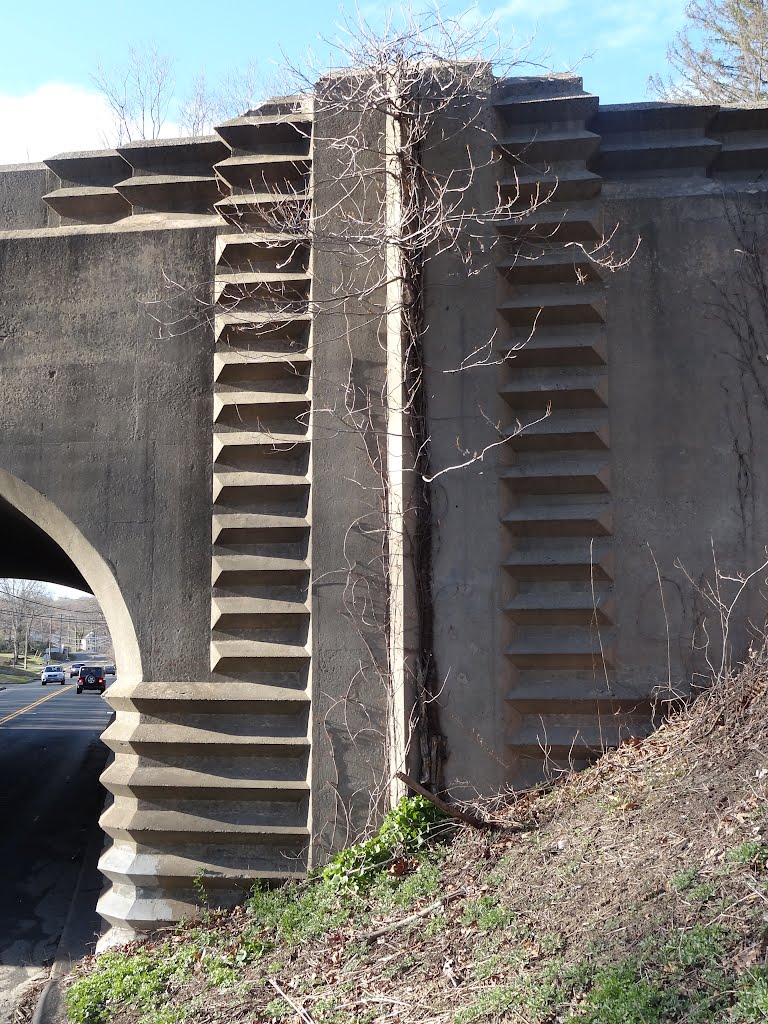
[[91, 677], [74, 669], [53, 674]]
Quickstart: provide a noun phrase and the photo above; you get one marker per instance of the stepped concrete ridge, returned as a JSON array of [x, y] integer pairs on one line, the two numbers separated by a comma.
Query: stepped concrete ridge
[[198, 426]]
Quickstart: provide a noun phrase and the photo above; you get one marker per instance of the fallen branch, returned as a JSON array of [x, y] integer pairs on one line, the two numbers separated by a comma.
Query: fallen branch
[[393, 926], [462, 816], [305, 1017]]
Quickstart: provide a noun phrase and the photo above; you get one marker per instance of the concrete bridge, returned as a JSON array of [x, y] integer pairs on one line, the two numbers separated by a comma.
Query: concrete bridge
[[198, 425]]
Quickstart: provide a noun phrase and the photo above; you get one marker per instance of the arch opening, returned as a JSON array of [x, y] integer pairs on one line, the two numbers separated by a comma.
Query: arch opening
[[51, 755], [28, 553], [41, 542]]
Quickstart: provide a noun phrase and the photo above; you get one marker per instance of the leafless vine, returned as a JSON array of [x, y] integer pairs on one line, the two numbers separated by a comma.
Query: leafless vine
[[403, 94]]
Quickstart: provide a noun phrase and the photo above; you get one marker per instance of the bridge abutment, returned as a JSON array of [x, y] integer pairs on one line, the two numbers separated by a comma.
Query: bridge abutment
[[208, 408]]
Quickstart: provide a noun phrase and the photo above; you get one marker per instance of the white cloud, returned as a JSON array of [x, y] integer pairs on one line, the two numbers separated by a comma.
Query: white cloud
[[54, 118]]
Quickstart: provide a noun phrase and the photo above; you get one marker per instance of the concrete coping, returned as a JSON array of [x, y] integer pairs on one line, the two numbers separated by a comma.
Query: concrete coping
[[170, 143], [15, 168], [154, 154], [154, 221], [538, 87], [740, 119], [300, 102], [95, 167], [76, 191], [628, 117], [246, 132]]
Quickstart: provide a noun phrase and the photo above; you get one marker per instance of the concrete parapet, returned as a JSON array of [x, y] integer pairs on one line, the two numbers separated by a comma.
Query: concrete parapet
[[87, 192], [172, 175]]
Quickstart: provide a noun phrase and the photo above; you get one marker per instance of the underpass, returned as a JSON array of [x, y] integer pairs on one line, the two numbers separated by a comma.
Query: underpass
[[50, 762]]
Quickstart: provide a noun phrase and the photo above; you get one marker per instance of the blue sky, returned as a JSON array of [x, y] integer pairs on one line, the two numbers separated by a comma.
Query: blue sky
[[51, 49]]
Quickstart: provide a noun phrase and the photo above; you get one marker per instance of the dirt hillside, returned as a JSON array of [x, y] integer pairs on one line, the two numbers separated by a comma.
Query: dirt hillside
[[635, 892]]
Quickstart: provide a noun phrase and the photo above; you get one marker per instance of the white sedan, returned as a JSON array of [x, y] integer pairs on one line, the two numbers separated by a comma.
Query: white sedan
[[52, 674]]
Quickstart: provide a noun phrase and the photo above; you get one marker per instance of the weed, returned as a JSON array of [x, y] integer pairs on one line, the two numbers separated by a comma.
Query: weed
[[406, 831], [551, 942], [685, 879], [327, 1011], [435, 925], [701, 893], [138, 980], [278, 1009], [199, 886], [487, 914], [751, 854], [389, 891], [488, 1004], [298, 912], [355, 950], [688, 883], [620, 996], [674, 978], [751, 1004], [402, 965], [490, 967], [143, 979], [494, 957], [701, 945], [540, 997], [620, 802], [168, 1015], [536, 999]]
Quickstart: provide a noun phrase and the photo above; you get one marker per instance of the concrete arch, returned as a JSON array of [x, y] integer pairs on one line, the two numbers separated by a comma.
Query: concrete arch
[[94, 569]]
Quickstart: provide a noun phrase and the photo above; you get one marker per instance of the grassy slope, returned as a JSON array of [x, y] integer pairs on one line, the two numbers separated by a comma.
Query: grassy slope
[[633, 893], [18, 674]]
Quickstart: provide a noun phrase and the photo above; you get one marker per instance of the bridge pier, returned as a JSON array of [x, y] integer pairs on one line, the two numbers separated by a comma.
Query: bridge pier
[[205, 790]]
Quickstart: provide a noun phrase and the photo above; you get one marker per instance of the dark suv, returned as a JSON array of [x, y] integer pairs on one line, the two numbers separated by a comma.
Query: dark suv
[[91, 677]]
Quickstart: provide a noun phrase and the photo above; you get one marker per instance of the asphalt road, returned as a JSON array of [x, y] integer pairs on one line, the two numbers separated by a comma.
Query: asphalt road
[[50, 761]]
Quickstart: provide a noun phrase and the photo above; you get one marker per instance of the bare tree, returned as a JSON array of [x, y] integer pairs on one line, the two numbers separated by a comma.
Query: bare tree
[[20, 602], [199, 110], [208, 103], [240, 90], [139, 93], [720, 56]]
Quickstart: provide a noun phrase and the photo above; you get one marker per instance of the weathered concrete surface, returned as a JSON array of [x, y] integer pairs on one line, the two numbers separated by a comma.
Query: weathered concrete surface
[[22, 187], [350, 769], [689, 410], [110, 421], [105, 445], [463, 409]]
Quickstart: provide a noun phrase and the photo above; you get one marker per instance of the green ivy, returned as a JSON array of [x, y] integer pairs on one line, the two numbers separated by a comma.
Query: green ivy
[[405, 832]]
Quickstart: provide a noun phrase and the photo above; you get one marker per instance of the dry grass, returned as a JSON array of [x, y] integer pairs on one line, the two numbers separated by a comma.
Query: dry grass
[[659, 839]]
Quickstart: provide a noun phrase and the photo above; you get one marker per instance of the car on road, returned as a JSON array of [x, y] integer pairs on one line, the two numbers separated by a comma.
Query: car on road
[[52, 674], [74, 669], [91, 677]]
